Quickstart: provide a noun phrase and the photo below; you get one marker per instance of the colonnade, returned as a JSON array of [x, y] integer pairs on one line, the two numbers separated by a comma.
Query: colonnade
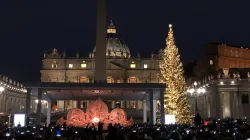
[[14, 103], [222, 104]]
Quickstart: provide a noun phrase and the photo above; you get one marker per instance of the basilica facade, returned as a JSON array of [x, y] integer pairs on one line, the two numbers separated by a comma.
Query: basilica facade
[[121, 67]]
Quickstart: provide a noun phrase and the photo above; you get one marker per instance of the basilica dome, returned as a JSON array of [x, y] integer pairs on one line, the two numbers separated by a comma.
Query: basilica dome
[[115, 46]]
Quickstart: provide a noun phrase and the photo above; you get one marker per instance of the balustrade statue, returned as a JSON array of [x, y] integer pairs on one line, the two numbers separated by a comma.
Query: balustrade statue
[[219, 75], [234, 76], [238, 75], [77, 55], [248, 75], [225, 72]]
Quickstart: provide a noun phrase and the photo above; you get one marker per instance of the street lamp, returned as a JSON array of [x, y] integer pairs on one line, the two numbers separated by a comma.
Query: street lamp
[[1, 89], [196, 92]]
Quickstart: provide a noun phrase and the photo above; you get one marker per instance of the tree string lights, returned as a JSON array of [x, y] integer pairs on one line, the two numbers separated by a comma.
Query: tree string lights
[[175, 96]]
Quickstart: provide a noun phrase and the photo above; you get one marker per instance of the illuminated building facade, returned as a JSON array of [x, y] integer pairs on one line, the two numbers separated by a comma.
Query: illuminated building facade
[[219, 56], [224, 71], [13, 97], [121, 67]]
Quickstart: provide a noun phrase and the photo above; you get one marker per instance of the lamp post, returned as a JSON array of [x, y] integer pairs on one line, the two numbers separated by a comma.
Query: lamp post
[[1, 89], [196, 92]]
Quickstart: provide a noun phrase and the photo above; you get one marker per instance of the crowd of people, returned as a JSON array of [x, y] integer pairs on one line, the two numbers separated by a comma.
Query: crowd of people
[[228, 129]]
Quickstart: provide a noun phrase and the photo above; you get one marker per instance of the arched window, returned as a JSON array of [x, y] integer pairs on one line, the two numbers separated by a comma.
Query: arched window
[[231, 53], [132, 80], [54, 64], [110, 79], [84, 79]]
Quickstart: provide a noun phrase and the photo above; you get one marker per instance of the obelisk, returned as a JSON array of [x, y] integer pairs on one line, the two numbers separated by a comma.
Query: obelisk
[[100, 56]]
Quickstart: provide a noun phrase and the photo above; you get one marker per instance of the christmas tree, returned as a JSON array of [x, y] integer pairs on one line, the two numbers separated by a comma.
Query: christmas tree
[[175, 97]]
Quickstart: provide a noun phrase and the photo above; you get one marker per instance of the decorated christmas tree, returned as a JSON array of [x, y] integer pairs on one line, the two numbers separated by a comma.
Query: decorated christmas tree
[[175, 97]]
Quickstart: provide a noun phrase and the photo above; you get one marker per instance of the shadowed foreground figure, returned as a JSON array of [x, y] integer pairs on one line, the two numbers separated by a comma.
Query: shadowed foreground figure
[[197, 120]]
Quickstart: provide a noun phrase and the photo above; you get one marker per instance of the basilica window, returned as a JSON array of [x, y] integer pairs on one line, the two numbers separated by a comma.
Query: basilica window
[[111, 30], [54, 80], [236, 54], [118, 54], [118, 81], [54, 64], [70, 65], [84, 79], [133, 65], [145, 66], [110, 79], [132, 80], [83, 65]]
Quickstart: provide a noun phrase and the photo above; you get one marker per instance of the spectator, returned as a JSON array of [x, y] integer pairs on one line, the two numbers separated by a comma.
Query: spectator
[[197, 120]]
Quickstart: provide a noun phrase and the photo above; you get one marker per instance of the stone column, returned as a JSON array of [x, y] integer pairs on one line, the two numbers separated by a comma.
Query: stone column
[[138, 105], [18, 105], [226, 104], [74, 104], [27, 106], [208, 107], [88, 102], [39, 107], [144, 111], [1, 102], [127, 104], [5, 103], [162, 110], [78, 104], [232, 109], [151, 108], [113, 104], [217, 107], [122, 104], [154, 111], [240, 104], [48, 112], [34, 105], [236, 105], [65, 106]]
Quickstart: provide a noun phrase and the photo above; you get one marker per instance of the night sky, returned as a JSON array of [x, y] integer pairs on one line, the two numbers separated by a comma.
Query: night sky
[[30, 28]]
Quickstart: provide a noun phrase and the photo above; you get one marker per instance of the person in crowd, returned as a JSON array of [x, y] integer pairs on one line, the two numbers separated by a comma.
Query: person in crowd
[[19, 125], [216, 129], [197, 120]]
